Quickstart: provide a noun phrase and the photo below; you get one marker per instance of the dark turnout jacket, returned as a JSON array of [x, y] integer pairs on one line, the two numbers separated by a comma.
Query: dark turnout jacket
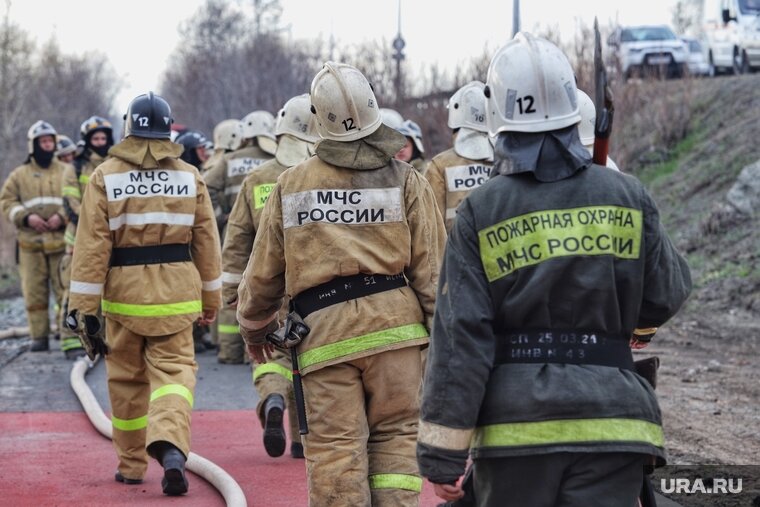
[[532, 271]]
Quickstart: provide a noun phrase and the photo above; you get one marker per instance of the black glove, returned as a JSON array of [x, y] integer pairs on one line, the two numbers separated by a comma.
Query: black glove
[[90, 332]]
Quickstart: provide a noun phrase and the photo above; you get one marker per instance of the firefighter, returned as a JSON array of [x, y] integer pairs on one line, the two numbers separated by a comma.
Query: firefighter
[[66, 150], [224, 181], [457, 171], [227, 137], [353, 238], [530, 366], [31, 200], [147, 246], [96, 136], [587, 124], [413, 152], [296, 134]]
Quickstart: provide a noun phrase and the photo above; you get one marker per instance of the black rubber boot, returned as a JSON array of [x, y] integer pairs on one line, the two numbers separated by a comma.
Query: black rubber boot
[[39, 345], [274, 433], [174, 482], [296, 450], [120, 478]]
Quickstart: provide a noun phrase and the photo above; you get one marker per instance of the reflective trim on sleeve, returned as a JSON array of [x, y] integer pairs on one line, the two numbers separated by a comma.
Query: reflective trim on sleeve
[[70, 343], [153, 217], [254, 325], [129, 424], [444, 437], [233, 190], [269, 368], [232, 277], [212, 285], [229, 329], [361, 343], [84, 179], [160, 310], [15, 211], [568, 431], [395, 481], [451, 213], [70, 191], [43, 201], [168, 389], [92, 289]]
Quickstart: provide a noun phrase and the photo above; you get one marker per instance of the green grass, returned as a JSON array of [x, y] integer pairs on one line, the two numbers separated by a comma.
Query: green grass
[[656, 172]]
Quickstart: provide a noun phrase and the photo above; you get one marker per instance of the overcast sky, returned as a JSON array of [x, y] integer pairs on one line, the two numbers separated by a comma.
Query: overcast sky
[[139, 35]]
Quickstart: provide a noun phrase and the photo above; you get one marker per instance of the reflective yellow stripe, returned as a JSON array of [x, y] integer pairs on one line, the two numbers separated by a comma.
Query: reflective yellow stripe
[[152, 310], [168, 389], [568, 431], [69, 238], [71, 192], [266, 368], [361, 343], [70, 343], [84, 179], [129, 424], [229, 329], [395, 481], [261, 194], [533, 238]]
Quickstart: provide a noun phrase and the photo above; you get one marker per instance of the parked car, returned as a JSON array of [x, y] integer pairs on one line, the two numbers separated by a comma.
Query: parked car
[[649, 50], [696, 61], [732, 35]]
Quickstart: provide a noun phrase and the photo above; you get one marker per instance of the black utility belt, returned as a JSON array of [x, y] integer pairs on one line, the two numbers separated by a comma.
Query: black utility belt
[[156, 254], [345, 288], [561, 346]]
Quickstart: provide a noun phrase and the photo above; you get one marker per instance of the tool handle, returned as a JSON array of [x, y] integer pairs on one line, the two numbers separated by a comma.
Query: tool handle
[[303, 425]]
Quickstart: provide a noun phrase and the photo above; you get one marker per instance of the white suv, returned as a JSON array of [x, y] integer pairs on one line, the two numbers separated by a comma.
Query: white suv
[[645, 50]]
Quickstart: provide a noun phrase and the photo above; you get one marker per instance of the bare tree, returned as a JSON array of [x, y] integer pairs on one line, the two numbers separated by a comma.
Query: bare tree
[[687, 17]]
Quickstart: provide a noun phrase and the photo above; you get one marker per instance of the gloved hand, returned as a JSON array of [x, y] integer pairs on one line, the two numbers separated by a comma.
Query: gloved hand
[[258, 336], [641, 337], [90, 332]]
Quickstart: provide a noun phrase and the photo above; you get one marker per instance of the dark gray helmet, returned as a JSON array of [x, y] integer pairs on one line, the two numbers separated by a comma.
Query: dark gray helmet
[[149, 116], [191, 139]]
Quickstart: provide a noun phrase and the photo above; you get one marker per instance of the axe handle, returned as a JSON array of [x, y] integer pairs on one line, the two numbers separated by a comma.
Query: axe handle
[[601, 149]]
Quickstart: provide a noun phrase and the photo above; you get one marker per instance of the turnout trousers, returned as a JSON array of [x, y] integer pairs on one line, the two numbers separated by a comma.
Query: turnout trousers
[[362, 414], [151, 380], [69, 339], [276, 377], [566, 479], [231, 345], [39, 273]]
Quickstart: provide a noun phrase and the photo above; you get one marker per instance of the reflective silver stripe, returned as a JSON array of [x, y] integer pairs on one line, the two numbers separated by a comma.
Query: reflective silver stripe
[[461, 178], [149, 183], [93, 289], [255, 325], [344, 206], [234, 189], [43, 201], [451, 213], [232, 277], [15, 211], [444, 437], [213, 284], [242, 166], [153, 217]]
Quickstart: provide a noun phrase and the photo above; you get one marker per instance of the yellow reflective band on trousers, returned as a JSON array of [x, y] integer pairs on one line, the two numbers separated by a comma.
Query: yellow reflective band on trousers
[[570, 431], [84, 179], [261, 194], [168, 389], [69, 191], [395, 481], [229, 329], [533, 238], [129, 424], [361, 343], [267, 368], [70, 343], [163, 310]]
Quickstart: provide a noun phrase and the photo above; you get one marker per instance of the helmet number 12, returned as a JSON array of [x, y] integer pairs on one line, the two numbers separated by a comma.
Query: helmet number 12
[[348, 124], [528, 104], [142, 121]]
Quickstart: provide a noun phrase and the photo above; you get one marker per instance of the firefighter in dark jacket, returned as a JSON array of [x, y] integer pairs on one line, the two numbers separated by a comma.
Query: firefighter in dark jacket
[[550, 269]]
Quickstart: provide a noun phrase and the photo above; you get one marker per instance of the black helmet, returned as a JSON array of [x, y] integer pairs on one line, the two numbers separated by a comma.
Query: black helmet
[[94, 124], [150, 116], [191, 140]]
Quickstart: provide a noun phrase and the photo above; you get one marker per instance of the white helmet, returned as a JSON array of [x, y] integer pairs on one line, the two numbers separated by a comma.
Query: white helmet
[[65, 146], [295, 118], [411, 129], [258, 124], [38, 129], [228, 135], [344, 103], [588, 118], [530, 87], [391, 118], [467, 107]]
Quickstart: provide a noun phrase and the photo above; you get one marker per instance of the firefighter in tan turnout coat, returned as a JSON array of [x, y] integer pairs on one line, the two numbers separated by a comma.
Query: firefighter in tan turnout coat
[[458, 171], [147, 245], [353, 238], [31, 200], [224, 181], [295, 129]]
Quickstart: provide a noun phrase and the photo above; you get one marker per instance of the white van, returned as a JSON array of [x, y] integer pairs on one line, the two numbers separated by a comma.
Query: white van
[[732, 35]]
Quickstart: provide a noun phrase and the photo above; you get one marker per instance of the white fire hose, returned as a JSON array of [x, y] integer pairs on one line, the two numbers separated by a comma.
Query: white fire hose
[[214, 474]]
